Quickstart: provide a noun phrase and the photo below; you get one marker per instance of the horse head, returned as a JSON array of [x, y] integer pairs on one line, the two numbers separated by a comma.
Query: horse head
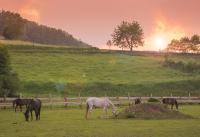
[[114, 111], [26, 115]]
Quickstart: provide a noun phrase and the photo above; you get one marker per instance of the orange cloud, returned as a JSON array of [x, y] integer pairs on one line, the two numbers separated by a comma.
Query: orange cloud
[[29, 11]]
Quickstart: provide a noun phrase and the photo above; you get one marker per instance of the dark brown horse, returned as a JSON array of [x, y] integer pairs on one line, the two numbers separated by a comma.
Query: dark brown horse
[[20, 102], [171, 101], [34, 105], [138, 101]]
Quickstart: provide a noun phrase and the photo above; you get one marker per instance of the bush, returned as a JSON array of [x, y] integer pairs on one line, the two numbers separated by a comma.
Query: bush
[[153, 100], [188, 67], [9, 81]]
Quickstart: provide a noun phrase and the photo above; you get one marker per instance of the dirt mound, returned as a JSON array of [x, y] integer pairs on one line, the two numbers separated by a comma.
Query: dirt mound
[[151, 111]]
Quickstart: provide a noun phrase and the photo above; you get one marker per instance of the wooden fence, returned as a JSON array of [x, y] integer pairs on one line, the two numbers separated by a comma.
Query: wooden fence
[[80, 101]]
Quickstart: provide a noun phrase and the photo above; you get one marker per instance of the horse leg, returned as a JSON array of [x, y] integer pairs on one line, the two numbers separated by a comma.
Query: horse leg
[[20, 108], [15, 108], [39, 113], [31, 115], [36, 115], [90, 111], [86, 113], [177, 106], [105, 111]]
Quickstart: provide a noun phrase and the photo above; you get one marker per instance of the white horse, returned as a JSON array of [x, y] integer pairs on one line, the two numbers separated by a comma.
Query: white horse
[[99, 102]]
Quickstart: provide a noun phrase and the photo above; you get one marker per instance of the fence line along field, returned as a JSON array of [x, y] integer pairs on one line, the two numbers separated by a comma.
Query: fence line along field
[[80, 101]]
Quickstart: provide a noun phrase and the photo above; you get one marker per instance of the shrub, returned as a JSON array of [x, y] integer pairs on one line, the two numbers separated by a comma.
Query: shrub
[[9, 82], [188, 67], [153, 100]]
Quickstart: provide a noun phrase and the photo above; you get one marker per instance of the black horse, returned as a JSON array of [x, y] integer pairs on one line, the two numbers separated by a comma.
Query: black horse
[[20, 102], [138, 101], [171, 101], [34, 105]]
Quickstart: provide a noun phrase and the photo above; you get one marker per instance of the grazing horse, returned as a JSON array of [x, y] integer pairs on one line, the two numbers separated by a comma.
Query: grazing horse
[[99, 102], [20, 102], [138, 101], [34, 105], [171, 101]]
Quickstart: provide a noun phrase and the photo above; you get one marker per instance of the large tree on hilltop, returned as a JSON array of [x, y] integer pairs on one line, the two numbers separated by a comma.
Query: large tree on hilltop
[[128, 35]]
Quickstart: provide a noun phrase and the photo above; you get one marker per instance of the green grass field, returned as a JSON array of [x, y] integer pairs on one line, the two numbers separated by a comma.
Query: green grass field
[[43, 70], [71, 123]]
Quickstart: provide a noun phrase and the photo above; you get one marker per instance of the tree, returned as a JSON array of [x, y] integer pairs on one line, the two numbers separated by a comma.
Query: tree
[[195, 39], [109, 43], [11, 25], [9, 81], [174, 46], [185, 40], [185, 45], [128, 35]]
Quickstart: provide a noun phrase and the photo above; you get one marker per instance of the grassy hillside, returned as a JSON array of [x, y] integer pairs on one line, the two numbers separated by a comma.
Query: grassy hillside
[[92, 72], [21, 43]]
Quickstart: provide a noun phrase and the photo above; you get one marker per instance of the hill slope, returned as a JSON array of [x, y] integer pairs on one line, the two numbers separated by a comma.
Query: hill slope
[[95, 73], [13, 26]]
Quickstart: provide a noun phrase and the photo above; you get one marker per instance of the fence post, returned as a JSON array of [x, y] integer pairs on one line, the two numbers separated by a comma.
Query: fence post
[[171, 95], [20, 95], [4, 100], [80, 100], [189, 94], [118, 101], [129, 99], [151, 95], [50, 100], [65, 99], [128, 96]]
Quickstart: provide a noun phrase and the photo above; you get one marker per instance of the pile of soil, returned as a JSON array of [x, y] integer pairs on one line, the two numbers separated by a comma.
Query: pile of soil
[[151, 111]]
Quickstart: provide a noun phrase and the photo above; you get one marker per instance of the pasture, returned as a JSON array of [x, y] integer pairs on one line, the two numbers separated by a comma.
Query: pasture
[[92, 72], [70, 122]]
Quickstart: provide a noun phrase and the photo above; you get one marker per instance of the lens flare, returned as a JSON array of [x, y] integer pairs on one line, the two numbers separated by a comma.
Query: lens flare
[[160, 42], [164, 31]]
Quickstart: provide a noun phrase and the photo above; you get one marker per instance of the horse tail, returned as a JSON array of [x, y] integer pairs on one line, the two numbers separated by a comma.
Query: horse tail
[[176, 103], [87, 109]]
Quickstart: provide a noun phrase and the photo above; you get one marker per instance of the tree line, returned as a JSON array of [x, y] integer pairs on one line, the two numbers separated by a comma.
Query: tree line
[[185, 45], [13, 26]]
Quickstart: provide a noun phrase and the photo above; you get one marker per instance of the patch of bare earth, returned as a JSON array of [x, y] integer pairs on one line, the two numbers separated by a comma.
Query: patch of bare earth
[[151, 111]]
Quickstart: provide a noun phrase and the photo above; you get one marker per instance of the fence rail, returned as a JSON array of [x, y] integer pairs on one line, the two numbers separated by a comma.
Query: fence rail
[[64, 101]]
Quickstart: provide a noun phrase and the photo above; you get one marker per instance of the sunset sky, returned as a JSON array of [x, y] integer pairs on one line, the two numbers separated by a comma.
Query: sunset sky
[[94, 20]]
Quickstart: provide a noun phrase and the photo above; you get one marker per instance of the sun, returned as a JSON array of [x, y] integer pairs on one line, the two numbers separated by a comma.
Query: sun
[[160, 42]]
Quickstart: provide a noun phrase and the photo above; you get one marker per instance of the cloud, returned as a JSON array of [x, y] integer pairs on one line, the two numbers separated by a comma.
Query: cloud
[[30, 11]]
